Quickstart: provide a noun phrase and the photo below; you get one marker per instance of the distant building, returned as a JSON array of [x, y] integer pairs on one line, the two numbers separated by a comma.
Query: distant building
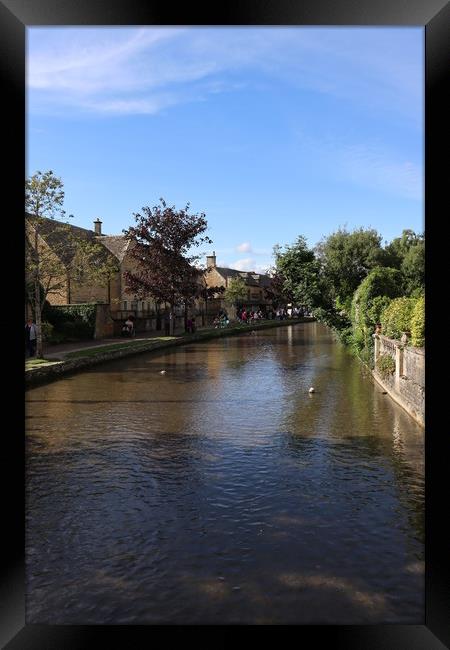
[[256, 283]]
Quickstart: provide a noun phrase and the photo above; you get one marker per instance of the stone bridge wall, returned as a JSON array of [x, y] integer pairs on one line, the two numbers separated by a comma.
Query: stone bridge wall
[[407, 384]]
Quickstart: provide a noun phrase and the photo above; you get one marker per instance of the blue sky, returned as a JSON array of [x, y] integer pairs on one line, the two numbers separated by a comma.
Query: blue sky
[[271, 132]]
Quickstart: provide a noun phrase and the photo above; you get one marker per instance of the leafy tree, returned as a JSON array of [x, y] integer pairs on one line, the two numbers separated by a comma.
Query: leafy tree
[[44, 198], [370, 299], [347, 258], [399, 247], [300, 271], [90, 263], [236, 291], [276, 291], [161, 241], [67, 257], [413, 268]]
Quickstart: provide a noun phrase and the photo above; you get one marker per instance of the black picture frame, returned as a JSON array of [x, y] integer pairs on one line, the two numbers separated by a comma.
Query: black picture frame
[[434, 16]]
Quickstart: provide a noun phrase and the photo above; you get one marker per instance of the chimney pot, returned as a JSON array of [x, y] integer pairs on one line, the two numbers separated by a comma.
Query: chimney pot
[[211, 260], [98, 226]]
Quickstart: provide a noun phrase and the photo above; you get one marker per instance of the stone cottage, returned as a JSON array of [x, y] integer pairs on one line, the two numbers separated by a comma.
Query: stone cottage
[[256, 283], [115, 304]]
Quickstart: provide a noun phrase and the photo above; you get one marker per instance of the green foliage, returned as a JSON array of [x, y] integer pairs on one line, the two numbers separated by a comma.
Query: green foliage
[[378, 305], [396, 318], [47, 331], [236, 292], [71, 322], [44, 195], [371, 297], [413, 268], [347, 258], [385, 365], [300, 270], [418, 323]]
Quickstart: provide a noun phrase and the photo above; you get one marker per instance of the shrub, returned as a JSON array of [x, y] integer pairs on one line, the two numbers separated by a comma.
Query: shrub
[[373, 295], [345, 335], [369, 300], [47, 331], [396, 318], [379, 304], [71, 322], [418, 323], [385, 365]]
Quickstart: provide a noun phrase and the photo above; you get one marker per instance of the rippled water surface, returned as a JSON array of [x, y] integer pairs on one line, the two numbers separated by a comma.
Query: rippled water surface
[[222, 491]]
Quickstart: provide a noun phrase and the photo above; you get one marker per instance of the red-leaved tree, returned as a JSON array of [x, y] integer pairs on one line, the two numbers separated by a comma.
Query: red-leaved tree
[[161, 242]]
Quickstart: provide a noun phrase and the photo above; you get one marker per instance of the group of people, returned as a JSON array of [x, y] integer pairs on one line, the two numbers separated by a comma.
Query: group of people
[[248, 316], [221, 319]]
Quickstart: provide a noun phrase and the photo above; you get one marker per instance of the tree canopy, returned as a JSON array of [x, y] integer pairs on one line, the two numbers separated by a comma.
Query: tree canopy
[[236, 291], [347, 258], [299, 270], [161, 241]]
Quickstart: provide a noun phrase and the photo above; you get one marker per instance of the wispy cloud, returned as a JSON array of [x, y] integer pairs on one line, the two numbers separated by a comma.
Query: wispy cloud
[[375, 169], [372, 164], [144, 70], [249, 264], [245, 247]]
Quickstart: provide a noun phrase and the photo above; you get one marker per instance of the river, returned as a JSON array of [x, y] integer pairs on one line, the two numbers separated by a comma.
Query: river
[[222, 491]]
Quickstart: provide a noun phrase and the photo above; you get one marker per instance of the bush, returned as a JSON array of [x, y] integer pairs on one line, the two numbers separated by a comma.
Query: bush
[[379, 304], [71, 322], [47, 331], [373, 295], [396, 318], [418, 323], [345, 335], [369, 300], [385, 365]]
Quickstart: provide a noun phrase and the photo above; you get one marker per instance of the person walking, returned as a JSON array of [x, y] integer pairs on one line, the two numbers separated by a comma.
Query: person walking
[[129, 323], [31, 337]]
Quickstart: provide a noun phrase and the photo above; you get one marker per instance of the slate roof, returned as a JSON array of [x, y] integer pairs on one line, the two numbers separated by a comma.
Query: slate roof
[[251, 278], [54, 232], [117, 244]]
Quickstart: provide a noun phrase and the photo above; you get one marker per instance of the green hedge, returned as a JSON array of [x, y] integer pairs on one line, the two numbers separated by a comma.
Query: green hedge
[[369, 300], [71, 322], [418, 323], [396, 318], [373, 295]]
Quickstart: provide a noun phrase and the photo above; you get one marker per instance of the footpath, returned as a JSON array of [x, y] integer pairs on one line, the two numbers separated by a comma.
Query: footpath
[[59, 360]]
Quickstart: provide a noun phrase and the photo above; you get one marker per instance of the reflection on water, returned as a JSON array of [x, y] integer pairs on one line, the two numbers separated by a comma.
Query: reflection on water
[[222, 491]]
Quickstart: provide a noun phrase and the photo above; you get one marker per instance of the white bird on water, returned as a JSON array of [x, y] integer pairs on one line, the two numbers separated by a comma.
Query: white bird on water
[[162, 372], [311, 390]]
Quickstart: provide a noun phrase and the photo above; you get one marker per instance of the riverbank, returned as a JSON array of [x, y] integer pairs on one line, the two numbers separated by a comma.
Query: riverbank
[[45, 370]]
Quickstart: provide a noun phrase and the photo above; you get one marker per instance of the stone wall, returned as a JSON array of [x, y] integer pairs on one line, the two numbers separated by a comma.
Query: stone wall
[[104, 324], [407, 384]]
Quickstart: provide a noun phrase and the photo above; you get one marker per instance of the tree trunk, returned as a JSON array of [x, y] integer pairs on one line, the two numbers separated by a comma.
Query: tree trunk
[[38, 316], [37, 302]]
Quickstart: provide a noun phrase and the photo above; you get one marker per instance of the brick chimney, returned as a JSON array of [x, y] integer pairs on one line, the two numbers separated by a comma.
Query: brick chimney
[[211, 260], [98, 226]]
